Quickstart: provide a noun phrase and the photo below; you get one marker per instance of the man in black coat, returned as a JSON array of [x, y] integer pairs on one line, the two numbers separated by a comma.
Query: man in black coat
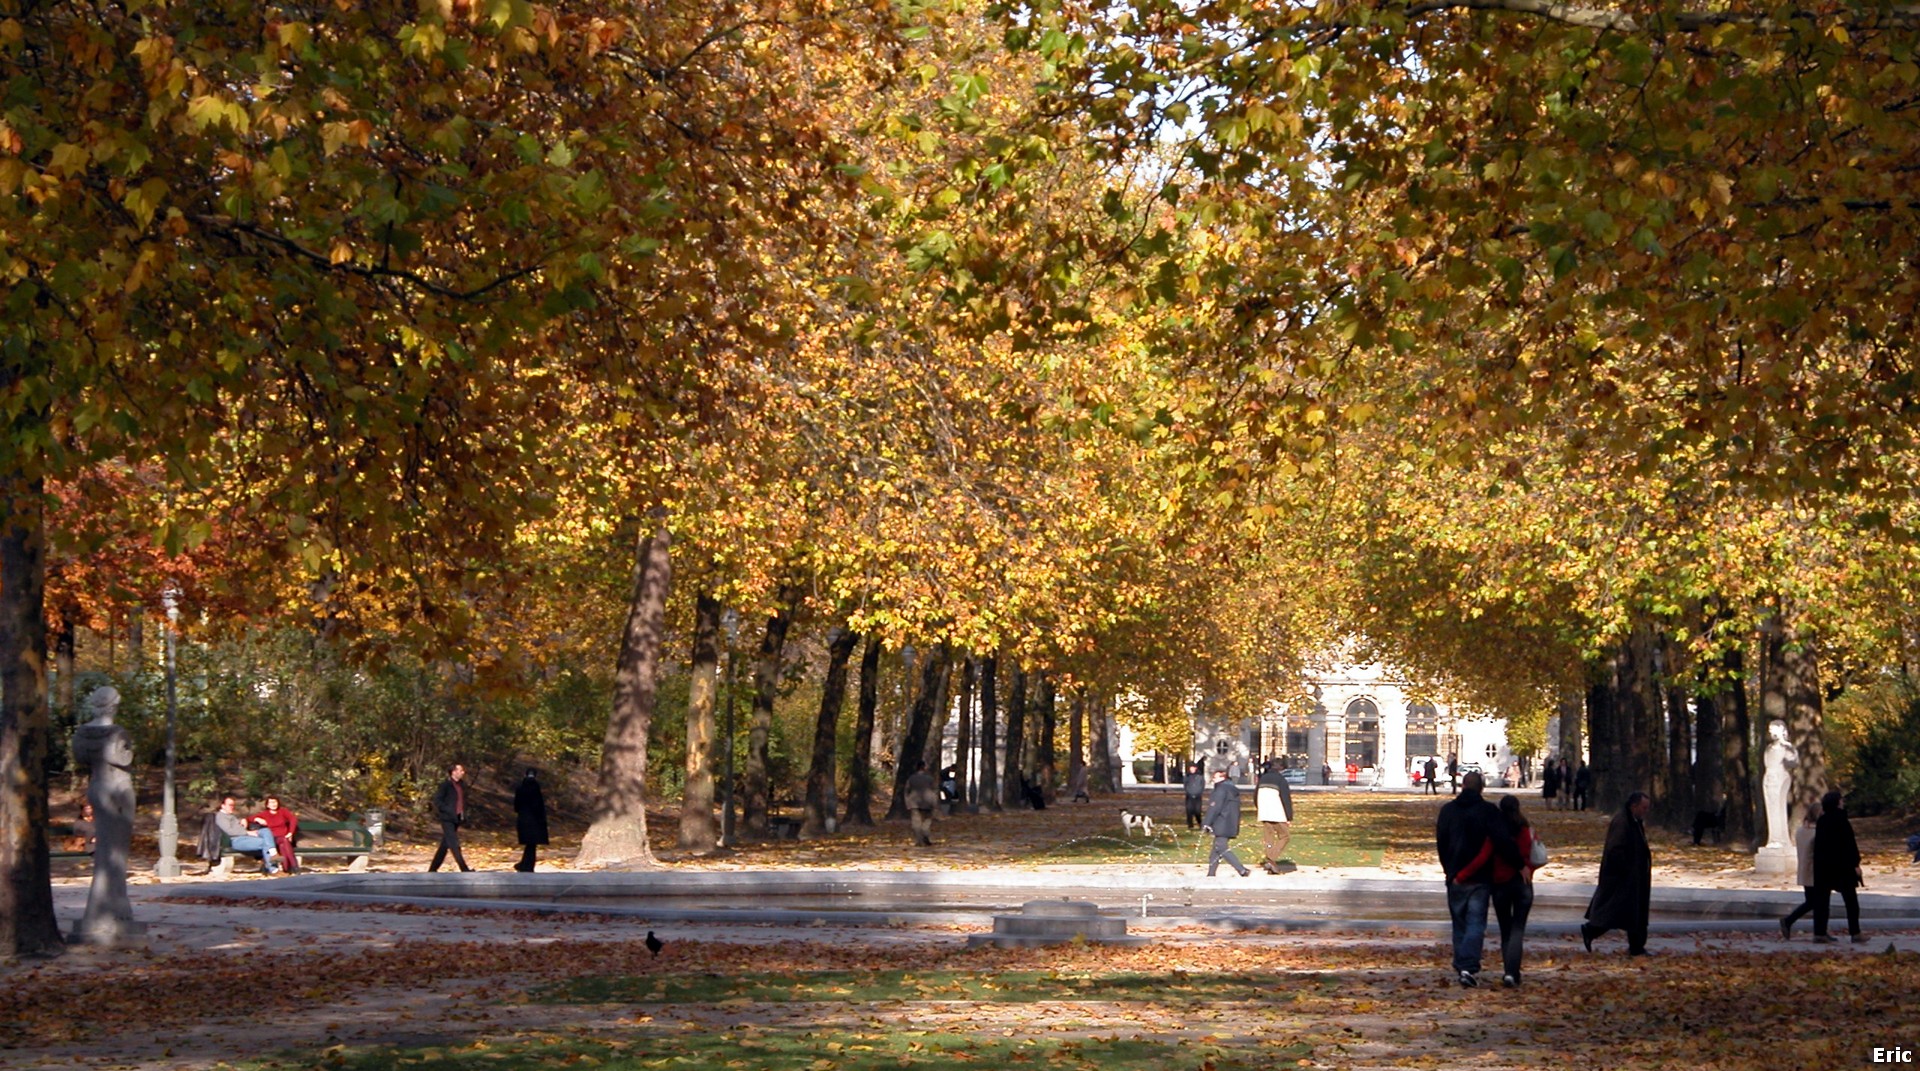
[[1469, 835], [1836, 868], [1623, 897], [529, 819], [450, 808], [1223, 821]]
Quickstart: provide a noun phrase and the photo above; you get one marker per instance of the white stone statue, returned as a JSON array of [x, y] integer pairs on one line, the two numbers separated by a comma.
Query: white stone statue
[[108, 749], [1778, 762]]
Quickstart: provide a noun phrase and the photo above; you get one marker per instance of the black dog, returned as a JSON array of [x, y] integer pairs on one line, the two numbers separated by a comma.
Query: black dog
[[1714, 822]]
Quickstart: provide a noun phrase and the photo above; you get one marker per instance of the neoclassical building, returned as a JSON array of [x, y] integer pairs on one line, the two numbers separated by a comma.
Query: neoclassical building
[[1363, 714]]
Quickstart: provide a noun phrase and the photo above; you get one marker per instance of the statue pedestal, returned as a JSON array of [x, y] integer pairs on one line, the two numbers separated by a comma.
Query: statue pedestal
[[1776, 861]]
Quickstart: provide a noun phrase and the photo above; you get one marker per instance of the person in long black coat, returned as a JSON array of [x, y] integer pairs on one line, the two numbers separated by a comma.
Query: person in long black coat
[[530, 818], [1624, 895], [1836, 868]]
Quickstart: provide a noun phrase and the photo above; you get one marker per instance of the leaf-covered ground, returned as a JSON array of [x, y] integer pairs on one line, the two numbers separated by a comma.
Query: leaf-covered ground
[[1230, 1003], [287, 987]]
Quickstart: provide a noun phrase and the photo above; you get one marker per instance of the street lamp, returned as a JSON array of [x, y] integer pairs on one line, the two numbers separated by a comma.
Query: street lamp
[[169, 864]]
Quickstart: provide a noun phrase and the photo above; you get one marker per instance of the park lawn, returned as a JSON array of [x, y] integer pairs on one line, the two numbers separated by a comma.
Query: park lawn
[[1005, 987], [1344, 832]]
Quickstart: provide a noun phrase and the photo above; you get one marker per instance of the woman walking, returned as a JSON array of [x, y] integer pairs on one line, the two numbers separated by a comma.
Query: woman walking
[[1803, 847], [1513, 891]]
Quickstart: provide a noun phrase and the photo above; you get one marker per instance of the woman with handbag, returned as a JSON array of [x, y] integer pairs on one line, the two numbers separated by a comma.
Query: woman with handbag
[[1513, 889]]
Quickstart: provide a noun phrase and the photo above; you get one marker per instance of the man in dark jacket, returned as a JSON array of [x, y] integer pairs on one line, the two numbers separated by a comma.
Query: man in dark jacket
[[1623, 897], [923, 795], [1470, 835], [1836, 868], [529, 819], [1196, 789], [1223, 821], [450, 808]]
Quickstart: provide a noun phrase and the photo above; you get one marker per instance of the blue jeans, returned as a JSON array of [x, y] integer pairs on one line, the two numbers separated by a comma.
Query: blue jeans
[[1468, 906], [261, 842]]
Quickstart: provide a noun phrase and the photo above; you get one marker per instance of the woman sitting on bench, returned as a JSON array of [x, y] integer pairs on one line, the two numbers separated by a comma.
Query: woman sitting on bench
[[283, 824]]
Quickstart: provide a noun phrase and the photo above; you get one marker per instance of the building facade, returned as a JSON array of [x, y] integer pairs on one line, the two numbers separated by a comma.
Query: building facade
[[1365, 717]]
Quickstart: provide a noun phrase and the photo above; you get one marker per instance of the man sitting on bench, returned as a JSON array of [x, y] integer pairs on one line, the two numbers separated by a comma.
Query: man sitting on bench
[[244, 839]]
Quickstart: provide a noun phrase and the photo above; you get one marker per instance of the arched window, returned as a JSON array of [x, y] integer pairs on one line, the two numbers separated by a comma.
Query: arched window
[[1423, 729], [1363, 732]]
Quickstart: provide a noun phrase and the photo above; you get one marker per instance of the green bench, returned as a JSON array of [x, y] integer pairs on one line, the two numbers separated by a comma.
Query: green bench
[[58, 834], [358, 843]]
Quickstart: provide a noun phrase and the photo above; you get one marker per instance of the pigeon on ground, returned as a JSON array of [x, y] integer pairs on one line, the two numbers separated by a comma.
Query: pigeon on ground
[[654, 944]]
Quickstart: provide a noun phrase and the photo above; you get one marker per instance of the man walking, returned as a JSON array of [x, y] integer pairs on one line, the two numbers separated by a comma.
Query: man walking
[[1273, 804], [1470, 835], [923, 795], [1196, 788], [450, 807], [1223, 821], [1623, 896], [1431, 770]]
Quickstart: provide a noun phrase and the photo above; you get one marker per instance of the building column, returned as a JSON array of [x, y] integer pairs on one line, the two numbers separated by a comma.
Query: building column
[[1393, 740]]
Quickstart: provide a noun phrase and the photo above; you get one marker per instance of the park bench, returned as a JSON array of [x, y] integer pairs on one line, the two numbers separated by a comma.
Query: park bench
[[359, 843], [60, 834]]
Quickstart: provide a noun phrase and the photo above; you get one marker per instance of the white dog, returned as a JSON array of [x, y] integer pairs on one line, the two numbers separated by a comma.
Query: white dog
[[1141, 822]]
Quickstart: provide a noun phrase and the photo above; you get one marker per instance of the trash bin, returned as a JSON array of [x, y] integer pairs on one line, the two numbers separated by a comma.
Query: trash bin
[[376, 819]]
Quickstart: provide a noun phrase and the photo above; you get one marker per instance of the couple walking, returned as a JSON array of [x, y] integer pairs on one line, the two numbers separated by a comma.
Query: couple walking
[[1489, 855], [1829, 859]]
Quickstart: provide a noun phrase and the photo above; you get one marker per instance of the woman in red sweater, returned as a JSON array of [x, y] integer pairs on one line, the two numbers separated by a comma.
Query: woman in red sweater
[[1513, 891], [283, 824]]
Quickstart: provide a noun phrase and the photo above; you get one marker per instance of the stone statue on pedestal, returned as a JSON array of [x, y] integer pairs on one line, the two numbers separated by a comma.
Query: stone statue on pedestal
[[1778, 762], [108, 749]]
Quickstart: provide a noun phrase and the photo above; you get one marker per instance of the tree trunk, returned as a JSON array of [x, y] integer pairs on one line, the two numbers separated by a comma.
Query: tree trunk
[[1043, 755], [913, 743], [1643, 724], [1603, 733], [618, 833], [935, 749], [1100, 715], [833, 697], [1573, 712], [1016, 766], [758, 805], [989, 735], [1790, 692], [1679, 777], [1077, 737], [1736, 744], [1709, 763], [860, 778], [699, 831], [27, 923], [963, 757]]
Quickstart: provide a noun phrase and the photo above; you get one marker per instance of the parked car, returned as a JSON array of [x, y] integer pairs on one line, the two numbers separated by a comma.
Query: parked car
[[1293, 775]]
